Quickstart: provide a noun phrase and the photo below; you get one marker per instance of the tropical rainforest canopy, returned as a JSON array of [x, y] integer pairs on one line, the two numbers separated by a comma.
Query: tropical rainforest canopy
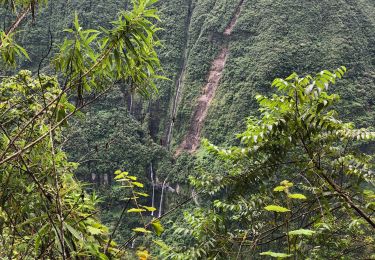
[[187, 129]]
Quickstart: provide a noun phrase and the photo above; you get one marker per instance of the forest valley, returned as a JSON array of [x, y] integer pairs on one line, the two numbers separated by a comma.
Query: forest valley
[[186, 129]]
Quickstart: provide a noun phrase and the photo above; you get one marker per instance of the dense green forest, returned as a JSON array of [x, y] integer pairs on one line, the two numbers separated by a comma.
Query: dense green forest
[[187, 129]]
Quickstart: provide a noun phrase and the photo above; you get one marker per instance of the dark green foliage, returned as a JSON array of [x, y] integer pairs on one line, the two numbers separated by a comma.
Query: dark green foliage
[[297, 137], [273, 38], [270, 39], [43, 210]]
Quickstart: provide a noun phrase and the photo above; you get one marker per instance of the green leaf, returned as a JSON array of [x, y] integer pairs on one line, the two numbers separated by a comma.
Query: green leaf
[[138, 184], [159, 229], [142, 194], [286, 183], [292, 76], [136, 210], [297, 196], [303, 232], [142, 230], [149, 208], [39, 235], [120, 175], [73, 231], [24, 52], [276, 208], [133, 178], [94, 231], [276, 255], [161, 244], [279, 188]]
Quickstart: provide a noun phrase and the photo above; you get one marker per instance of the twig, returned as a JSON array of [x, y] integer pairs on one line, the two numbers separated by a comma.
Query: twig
[[117, 225], [17, 22]]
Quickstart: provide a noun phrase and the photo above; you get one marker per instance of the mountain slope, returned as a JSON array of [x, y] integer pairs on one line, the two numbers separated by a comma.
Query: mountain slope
[[270, 39], [273, 39], [218, 54]]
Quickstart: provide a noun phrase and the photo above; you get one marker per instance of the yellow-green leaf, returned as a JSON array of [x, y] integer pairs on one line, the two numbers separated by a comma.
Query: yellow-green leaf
[[297, 196], [138, 184], [159, 229], [142, 194], [279, 188], [304, 232], [276, 255], [143, 254], [286, 183], [120, 175], [136, 210], [276, 208], [133, 178], [94, 231], [149, 208], [161, 244], [142, 230]]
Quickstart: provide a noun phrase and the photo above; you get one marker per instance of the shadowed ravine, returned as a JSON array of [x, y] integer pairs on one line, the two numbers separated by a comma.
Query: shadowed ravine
[[192, 140]]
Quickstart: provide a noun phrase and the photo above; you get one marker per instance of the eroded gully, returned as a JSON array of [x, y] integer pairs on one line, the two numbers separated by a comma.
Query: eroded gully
[[192, 139]]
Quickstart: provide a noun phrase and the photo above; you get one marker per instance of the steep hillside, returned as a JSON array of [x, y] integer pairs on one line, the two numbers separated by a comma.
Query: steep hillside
[[218, 54], [267, 39], [272, 39], [192, 139]]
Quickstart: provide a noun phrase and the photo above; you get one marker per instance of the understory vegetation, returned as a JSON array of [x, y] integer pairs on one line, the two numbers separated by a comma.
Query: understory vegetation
[[97, 97]]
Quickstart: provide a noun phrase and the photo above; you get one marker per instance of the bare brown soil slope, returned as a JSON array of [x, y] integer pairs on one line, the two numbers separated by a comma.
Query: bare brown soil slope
[[192, 139]]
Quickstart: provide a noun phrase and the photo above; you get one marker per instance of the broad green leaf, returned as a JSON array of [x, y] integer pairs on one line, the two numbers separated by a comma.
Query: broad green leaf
[[276, 255], [138, 184], [142, 230], [159, 229], [161, 244], [149, 208], [276, 208], [120, 175], [279, 188], [94, 231], [292, 76], [297, 196], [304, 232], [133, 178]]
